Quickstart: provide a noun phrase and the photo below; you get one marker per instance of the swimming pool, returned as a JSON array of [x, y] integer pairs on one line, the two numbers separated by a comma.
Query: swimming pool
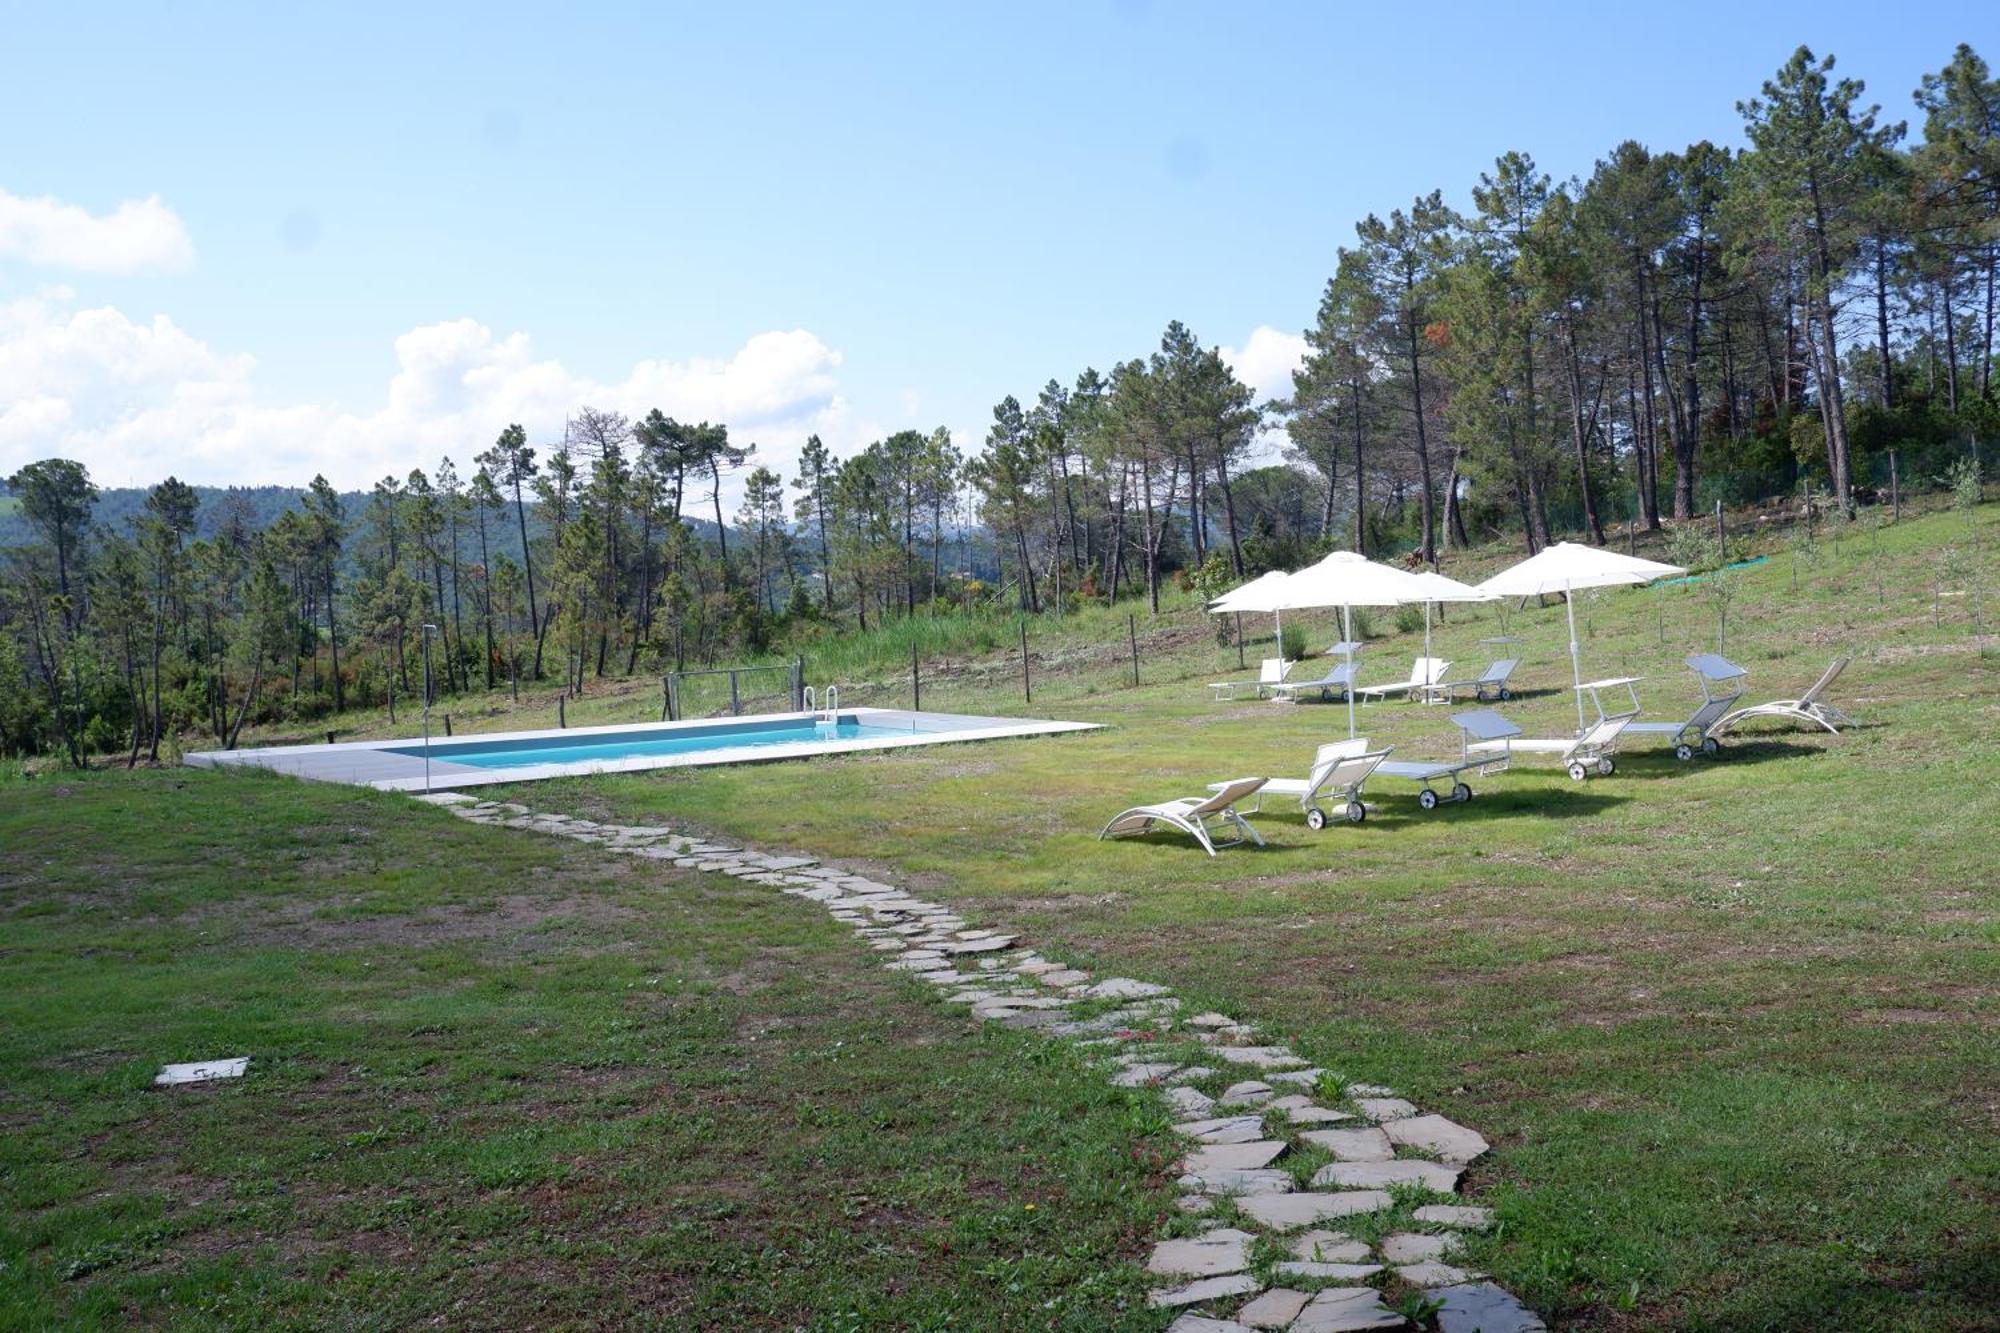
[[571, 748], [403, 763]]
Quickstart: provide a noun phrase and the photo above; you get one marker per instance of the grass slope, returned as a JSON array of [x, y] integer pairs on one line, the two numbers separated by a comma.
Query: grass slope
[[501, 1081], [1734, 1026]]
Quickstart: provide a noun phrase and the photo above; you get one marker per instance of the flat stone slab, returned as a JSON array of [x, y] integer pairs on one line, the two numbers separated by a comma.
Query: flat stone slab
[[1124, 988], [1139, 1075], [1384, 1108], [1433, 1133], [1224, 1129], [1329, 1247], [1234, 1156], [1208, 1289], [1481, 1307], [1381, 1175], [1286, 1212], [1067, 976], [1250, 1092], [1336, 1272], [1352, 1145], [1241, 1184], [1345, 1309], [1274, 1309], [1455, 1215], [1431, 1273], [1208, 1255], [1316, 1115], [201, 1071], [1188, 1101], [1263, 1057], [1198, 1323], [1410, 1247], [1304, 1078], [1211, 1019]]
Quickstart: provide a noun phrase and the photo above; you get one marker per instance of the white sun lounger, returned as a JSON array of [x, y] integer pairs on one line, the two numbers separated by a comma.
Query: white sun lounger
[[1190, 814], [1491, 684], [1716, 674], [1808, 707], [1425, 673], [1338, 771], [1339, 678], [1271, 672], [1490, 735]]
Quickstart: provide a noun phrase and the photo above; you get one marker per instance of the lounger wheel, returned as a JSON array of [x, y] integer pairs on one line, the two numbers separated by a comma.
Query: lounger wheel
[[1461, 792], [1710, 745], [1505, 694], [1578, 772], [1427, 799], [1356, 812], [1683, 752], [1606, 767], [1315, 819]]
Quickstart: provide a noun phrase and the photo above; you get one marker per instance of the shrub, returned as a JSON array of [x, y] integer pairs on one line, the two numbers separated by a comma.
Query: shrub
[[1409, 619], [1292, 643]]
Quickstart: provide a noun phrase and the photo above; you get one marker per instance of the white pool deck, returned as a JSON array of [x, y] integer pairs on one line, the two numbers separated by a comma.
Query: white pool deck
[[386, 765]]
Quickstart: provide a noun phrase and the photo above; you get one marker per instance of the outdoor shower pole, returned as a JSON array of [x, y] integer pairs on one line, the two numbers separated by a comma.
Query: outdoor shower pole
[[428, 631]]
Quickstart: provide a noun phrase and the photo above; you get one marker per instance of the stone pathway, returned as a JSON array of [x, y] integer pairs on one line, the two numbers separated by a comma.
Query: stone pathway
[[1280, 1153]]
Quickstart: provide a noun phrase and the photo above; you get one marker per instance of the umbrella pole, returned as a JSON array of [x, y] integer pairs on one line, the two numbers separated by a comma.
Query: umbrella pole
[[1347, 636], [1575, 658]]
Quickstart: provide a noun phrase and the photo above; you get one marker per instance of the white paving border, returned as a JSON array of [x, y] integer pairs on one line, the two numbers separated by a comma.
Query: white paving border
[[1377, 1141]]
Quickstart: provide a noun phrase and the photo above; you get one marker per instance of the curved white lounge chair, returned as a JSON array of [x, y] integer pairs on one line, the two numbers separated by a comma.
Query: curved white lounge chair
[[1190, 814], [1339, 678], [1338, 771], [1425, 674], [1270, 673], [1490, 735], [1808, 707]]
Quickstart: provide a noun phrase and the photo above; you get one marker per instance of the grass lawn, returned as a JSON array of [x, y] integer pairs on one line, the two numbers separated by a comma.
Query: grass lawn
[[1734, 1026], [500, 1081]]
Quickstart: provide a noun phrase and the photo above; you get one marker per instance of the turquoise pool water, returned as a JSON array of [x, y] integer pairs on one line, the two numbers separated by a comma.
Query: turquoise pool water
[[631, 745]]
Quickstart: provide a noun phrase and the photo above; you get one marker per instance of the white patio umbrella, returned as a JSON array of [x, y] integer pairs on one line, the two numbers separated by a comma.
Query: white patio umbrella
[[1566, 567], [1259, 594], [1347, 580], [1438, 588]]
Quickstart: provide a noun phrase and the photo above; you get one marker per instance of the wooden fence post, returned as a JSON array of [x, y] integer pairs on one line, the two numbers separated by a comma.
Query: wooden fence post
[[1132, 629], [1895, 492], [1721, 536], [916, 682], [735, 700], [1239, 641], [1027, 686], [562, 711], [447, 725]]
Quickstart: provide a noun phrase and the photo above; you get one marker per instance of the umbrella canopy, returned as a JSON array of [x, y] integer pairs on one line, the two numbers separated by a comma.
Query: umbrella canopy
[[1565, 567], [1438, 588], [1259, 594], [1345, 579]]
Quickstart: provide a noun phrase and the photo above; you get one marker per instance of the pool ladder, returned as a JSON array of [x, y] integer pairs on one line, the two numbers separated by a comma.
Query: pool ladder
[[828, 716]]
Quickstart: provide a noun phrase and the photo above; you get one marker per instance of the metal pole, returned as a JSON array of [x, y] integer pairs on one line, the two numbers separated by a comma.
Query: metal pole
[[666, 698], [735, 701], [1347, 636], [1721, 537], [1239, 641], [1575, 657], [428, 630], [799, 683], [1027, 685], [1895, 495], [1132, 629]]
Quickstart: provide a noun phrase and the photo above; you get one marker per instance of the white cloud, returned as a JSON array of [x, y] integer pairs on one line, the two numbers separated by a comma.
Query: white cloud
[[135, 401], [139, 236], [1266, 363]]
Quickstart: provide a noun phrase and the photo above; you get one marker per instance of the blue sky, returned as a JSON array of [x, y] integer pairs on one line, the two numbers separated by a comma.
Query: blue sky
[[356, 237]]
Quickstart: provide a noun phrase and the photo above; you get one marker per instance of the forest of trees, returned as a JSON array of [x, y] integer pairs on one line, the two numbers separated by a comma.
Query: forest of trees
[[1567, 356]]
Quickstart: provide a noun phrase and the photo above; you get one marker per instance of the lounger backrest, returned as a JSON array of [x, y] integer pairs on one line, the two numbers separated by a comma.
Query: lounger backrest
[[1716, 667], [1334, 751], [1344, 771], [1711, 712], [1272, 670], [1227, 797], [1484, 724], [1601, 732], [1830, 675], [1499, 671], [1429, 670]]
